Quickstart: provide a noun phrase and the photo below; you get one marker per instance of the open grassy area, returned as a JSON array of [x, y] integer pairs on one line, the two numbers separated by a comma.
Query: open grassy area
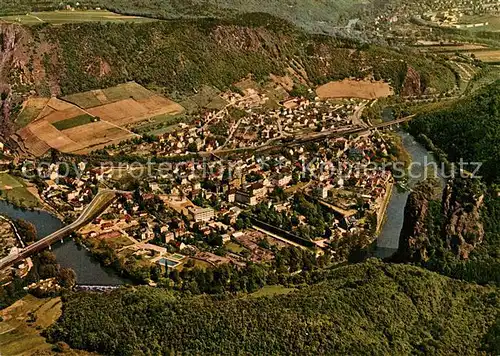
[[493, 22], [74, 122], [63, 16], [198, 264], [14, 191], [31, 109], [9, 182], [126, 91], [121, 241], [84, 100], [20, 197], [271, 290], [234, 247], [160, 124], [23, 322]]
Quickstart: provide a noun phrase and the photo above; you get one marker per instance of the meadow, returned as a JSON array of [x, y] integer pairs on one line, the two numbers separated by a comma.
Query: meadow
[[60, 17], [15, 191]]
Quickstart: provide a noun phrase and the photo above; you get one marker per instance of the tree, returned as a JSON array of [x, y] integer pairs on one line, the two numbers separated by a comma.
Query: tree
[[67, 277]]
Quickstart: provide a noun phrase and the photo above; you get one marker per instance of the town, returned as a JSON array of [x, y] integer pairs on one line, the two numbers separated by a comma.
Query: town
[[203, 210]]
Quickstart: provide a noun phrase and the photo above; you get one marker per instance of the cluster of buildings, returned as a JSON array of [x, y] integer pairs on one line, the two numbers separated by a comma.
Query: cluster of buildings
[[217, 129], [191, 209]]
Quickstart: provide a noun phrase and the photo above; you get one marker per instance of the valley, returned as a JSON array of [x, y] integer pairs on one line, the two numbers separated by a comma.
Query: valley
[[267, 177]]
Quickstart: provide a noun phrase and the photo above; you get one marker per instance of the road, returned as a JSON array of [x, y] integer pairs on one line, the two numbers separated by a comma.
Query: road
[[100, 201]]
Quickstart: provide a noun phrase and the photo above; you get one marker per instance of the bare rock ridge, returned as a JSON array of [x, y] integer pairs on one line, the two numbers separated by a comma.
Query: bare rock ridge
[[460, 230], [414, 240], [412, 85]]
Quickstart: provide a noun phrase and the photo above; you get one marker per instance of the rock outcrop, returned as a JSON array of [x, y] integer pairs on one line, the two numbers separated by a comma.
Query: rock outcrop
[[459, 230], [462, 228], [412, 84], [414, 238]]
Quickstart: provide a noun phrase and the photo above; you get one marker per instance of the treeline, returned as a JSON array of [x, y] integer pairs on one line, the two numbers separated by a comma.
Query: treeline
[[44, 266], [291, 267], [308, 14], [182, 55], [387, 309]]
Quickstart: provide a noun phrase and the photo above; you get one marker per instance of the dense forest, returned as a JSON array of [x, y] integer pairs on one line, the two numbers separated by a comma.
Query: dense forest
[[469, 131], [373, 306], [182, 55]]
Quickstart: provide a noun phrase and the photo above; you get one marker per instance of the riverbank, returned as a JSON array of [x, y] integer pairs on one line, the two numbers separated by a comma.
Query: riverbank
[[382, 212], [388, 239], [68, 254]]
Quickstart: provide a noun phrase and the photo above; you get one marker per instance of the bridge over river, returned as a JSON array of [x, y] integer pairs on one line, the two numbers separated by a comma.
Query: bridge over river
[[100, 202]]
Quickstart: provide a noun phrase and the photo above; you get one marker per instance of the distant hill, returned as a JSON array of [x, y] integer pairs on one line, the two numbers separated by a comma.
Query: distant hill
[[371, 307], [312, 15], [182, 55]]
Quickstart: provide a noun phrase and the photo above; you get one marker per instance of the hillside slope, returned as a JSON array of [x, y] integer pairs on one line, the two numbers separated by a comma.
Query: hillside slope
[[387, 309], [470, 130], [182, 55]]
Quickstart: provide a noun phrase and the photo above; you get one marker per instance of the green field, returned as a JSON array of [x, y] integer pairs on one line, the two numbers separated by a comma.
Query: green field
[[31, 109], [271, 290], [9, 182], [14, 191], [234, 247], [62, 17], [84, 100], [126, 91], [161, 124], [74, 122], [493, 22]]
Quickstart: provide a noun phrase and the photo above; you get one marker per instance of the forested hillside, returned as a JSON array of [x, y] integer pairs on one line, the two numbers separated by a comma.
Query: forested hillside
[[469, 131], [387, 309], [462, 239], [181, 55]]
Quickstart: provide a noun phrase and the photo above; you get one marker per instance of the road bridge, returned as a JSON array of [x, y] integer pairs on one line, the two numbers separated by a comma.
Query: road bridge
[[100, 202]]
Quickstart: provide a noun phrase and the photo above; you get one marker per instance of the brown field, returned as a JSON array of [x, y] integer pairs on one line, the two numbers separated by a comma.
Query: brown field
[[348, 88], [487, 56], [437, 46], [129, 111], [116, 107], [464, 47], [93, 98]]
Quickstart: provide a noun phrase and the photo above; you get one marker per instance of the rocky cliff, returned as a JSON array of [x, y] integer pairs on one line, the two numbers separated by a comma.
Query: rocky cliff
[[434, 225], [412, 83], [414, 238], [10, 36], [462, 228]]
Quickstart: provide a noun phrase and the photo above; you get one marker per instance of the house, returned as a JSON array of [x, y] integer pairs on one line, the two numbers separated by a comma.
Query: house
[[201, 214], [282, 179], [251, 194]]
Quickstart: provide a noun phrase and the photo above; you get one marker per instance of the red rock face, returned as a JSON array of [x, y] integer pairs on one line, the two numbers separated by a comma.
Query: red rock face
[[412, 85]]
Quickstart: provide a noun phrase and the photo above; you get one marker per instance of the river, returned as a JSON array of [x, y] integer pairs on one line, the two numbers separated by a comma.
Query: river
[[68, 254], [388, 240]]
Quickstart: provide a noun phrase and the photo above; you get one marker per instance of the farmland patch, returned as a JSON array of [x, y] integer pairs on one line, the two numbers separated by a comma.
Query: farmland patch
[[91, 120], [347, 88], [65, 16], [487, 56], [31, 109]]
